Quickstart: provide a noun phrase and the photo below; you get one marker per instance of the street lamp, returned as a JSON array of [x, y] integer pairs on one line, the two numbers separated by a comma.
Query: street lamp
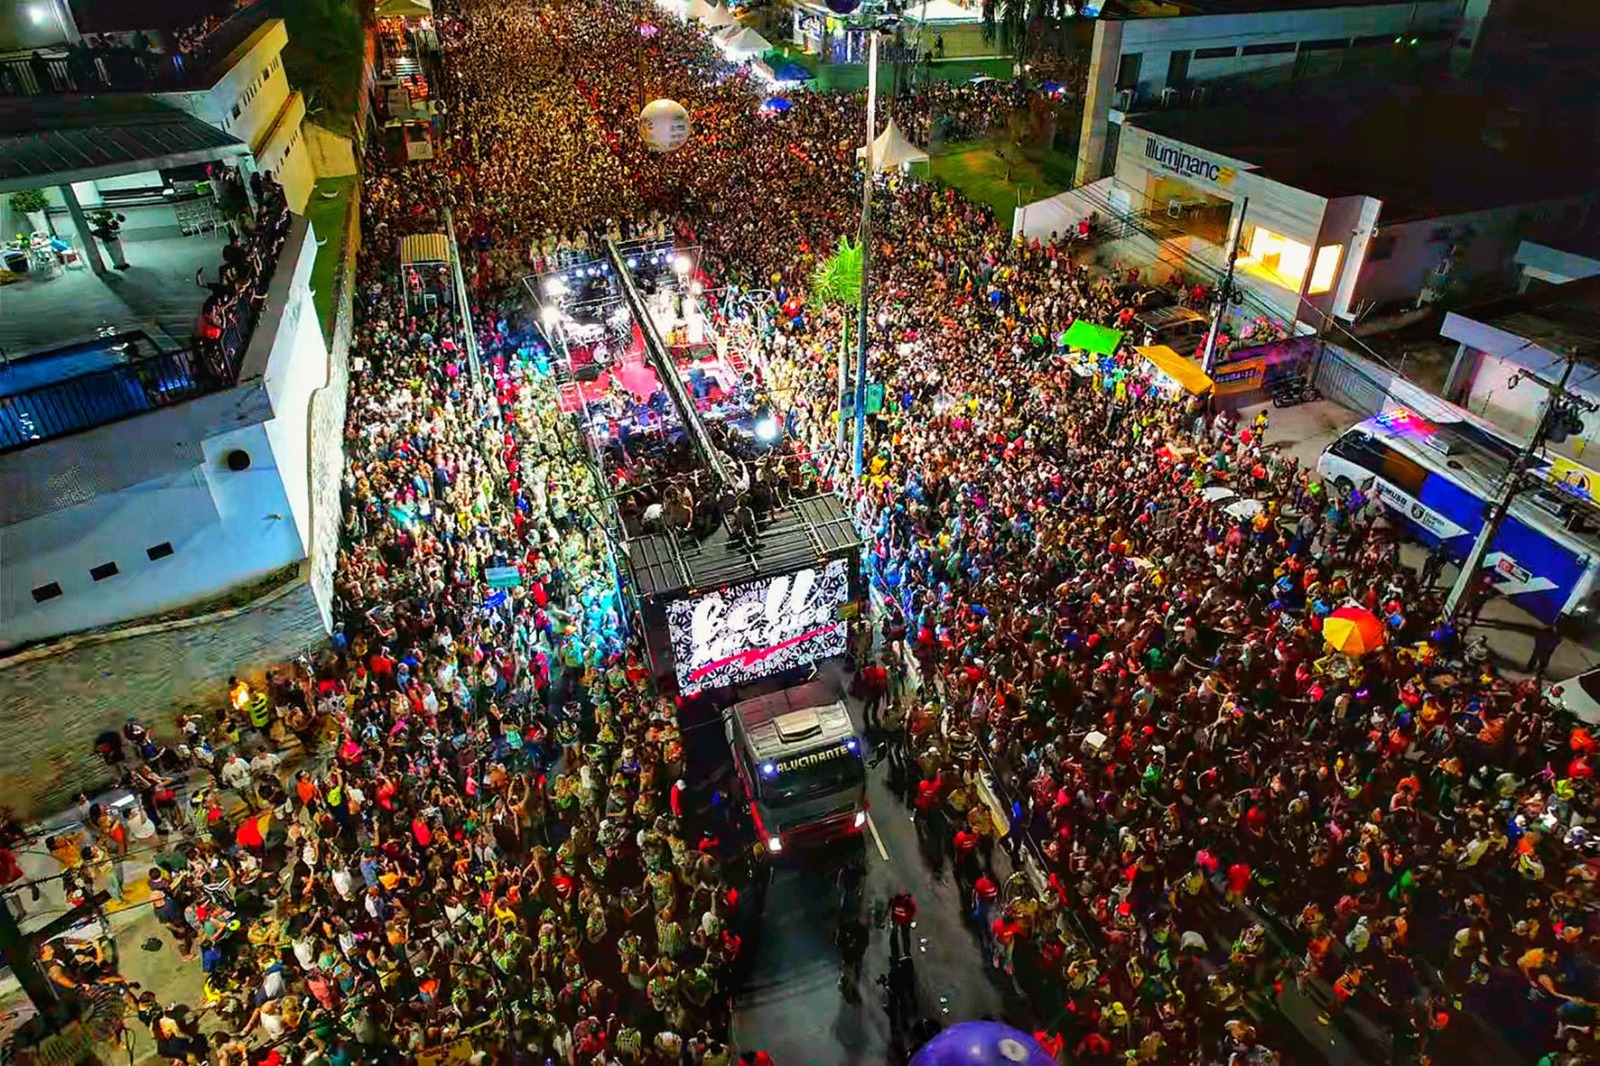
[[868, 170]]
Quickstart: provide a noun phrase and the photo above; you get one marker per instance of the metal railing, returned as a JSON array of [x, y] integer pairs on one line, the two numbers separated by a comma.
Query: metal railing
[[139, 386], [76, 404], [86, 70]]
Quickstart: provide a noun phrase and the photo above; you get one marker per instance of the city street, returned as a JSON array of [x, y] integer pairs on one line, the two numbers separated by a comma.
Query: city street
[[791, 1005]]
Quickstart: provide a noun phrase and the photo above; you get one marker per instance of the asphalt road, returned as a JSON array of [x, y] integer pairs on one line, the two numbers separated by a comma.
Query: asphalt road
[[791, 1004]]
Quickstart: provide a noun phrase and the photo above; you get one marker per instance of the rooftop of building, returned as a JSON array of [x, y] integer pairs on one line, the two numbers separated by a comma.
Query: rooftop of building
[[50, 140], [1557, 318], [105, 60], [1426, 151]]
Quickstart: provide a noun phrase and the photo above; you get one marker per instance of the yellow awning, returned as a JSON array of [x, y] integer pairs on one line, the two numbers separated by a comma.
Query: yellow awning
[[1184, 371], [424, 248]]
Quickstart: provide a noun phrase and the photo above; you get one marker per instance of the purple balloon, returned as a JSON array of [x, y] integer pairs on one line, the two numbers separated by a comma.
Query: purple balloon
[[843, 7], [982, 1044]]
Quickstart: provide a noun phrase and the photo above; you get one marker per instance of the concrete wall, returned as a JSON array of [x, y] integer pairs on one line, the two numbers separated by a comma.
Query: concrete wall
[[1519, 409], [30, 24], [1157, 39], [223, 527], [328, 406], [284, 153], [1481, 379], [1541, 263], [56, 699], [1347, 222], [332, 156]]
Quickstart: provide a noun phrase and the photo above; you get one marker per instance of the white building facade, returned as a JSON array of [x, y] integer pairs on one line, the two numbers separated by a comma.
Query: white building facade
[[179, 505], [1307, 256]]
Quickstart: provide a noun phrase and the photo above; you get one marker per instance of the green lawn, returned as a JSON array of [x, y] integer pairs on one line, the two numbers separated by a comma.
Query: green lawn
[[328, 217], [1027, 173]]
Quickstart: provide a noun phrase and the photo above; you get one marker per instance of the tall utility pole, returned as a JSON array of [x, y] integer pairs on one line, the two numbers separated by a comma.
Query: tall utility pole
[[1225, 292], [841, 430], [1465, 591], [868, 170]]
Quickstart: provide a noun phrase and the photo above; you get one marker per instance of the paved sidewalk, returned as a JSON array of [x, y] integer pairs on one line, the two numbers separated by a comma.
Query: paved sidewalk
[[147, 955]]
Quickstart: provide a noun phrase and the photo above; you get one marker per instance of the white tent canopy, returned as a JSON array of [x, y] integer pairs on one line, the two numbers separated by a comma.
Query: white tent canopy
[[745, 44], [893, 149], [719, 17], [941, 11], [699, 9]]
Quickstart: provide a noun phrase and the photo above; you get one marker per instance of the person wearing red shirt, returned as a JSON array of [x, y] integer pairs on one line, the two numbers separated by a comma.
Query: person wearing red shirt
[[984, 894], [1238, 882], [874, 683], [1092, 1048], [1004, 931], [965, 847], [902, 915]]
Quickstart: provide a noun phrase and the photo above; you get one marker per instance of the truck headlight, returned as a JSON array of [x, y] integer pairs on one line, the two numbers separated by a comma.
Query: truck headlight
[[774, 845], [861, 819]]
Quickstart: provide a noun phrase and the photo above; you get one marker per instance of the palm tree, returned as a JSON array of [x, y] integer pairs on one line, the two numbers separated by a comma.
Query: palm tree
[[836, 282], [1017, 26]]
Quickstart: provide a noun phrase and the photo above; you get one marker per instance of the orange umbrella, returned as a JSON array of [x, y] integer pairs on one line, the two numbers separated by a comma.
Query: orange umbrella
[[1353, 630]]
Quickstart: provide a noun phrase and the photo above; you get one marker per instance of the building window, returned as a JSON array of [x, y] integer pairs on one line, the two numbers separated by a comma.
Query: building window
[[1325, 270], [1372, 41], [45, 593], [1128, 70], [1274, 258], [1268, 49], [103, 571], [1215, 53], [159, 551], [235, 110], [1381, 248]]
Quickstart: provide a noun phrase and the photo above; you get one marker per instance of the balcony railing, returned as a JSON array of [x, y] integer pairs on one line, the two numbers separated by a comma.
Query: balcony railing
[[139, 386], [97, 70], [76, 404]]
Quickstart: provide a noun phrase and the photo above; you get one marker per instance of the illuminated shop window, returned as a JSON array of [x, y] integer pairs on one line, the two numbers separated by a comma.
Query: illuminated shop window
[[1326, 269], [1273, 257]]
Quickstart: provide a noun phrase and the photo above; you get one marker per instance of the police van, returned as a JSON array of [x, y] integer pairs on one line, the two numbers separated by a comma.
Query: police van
[[799, 761]]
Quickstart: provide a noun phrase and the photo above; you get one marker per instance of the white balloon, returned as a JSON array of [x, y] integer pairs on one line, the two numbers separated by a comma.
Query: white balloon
[[664, 125]]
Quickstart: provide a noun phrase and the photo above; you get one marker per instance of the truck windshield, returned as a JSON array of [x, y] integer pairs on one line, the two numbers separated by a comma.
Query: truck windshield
[[820, 778]]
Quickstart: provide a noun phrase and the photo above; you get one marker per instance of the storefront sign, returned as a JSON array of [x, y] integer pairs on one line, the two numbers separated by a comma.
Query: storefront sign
[[748, 631], [1184, 162], [1244, 376]]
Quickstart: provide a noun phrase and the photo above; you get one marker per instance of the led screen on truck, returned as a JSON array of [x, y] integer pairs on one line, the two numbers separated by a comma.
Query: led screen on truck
[[748, 631]]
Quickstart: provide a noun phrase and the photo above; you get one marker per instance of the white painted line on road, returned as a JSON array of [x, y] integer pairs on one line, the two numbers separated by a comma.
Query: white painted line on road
[[883, 852]]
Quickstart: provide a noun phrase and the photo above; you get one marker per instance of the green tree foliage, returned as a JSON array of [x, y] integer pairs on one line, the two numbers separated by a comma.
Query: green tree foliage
[[837, 279], [1019, 26], [327, 47]]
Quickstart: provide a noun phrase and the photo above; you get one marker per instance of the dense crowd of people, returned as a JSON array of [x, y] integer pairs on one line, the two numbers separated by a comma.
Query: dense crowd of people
[[478, 831]]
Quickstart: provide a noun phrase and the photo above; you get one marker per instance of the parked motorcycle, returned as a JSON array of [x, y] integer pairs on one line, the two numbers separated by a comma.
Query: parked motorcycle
[[1293, 390]]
